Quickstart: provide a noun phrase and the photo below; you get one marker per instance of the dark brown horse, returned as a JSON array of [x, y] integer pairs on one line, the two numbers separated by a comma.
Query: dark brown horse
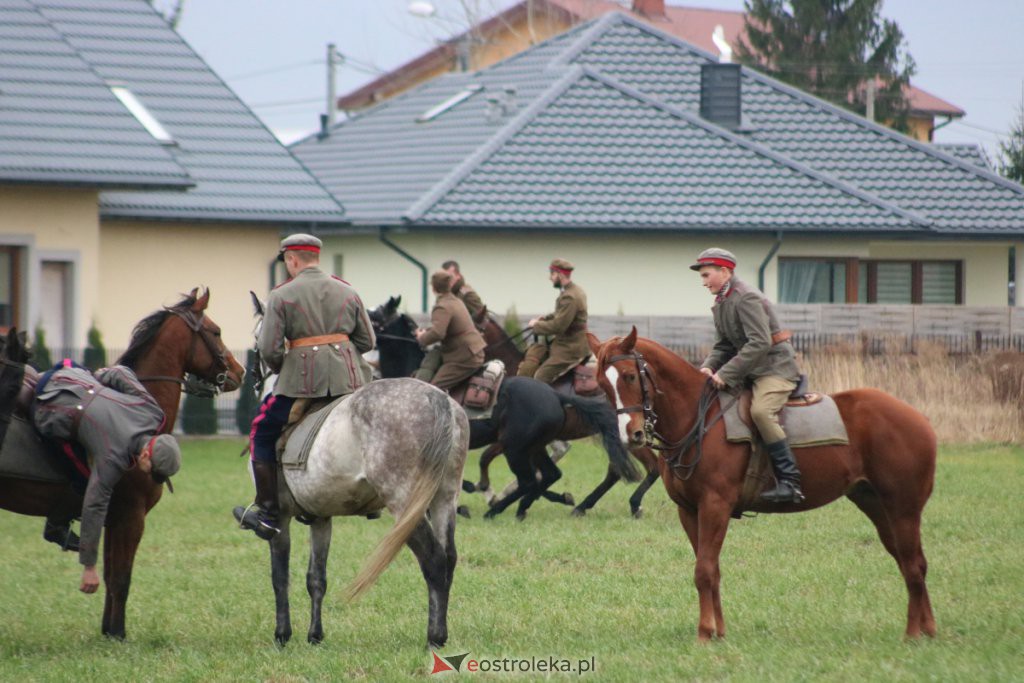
[[165, 346], [887, 469]]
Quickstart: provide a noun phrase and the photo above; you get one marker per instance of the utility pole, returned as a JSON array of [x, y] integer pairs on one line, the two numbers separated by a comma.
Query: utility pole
[[334, 58], [869, 113]]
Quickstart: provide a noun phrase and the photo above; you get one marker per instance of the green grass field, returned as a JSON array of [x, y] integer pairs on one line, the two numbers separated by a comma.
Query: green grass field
[[807, 597]]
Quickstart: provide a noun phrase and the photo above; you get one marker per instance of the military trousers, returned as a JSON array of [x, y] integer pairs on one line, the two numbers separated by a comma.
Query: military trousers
[[541, 365], [770, 395]]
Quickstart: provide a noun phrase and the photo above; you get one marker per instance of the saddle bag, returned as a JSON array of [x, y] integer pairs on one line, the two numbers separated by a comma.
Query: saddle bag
[[584, 379], [483, 386]]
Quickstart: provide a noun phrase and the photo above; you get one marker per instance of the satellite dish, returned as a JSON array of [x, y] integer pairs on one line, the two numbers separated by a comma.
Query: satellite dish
[[718, 38]]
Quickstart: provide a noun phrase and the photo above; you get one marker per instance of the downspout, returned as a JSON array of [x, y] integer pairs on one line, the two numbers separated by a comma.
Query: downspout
[[272, 275], [767, 259], [408, 257]]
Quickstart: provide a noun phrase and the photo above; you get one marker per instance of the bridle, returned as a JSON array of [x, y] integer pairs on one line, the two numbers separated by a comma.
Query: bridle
[[192, 383], [673, 452]]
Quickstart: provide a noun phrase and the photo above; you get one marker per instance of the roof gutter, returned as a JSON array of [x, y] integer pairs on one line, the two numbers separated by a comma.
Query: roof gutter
[[767, 259], [408, 257]]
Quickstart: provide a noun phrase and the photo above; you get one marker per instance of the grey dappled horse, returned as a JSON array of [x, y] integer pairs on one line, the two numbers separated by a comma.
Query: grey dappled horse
[[398, 444]]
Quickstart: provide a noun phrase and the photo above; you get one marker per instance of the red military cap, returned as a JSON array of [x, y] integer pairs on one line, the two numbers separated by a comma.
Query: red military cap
[[715, 257]]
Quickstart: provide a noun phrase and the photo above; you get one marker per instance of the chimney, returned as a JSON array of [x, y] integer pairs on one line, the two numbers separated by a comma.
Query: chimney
[[720, 94], [649, 8]]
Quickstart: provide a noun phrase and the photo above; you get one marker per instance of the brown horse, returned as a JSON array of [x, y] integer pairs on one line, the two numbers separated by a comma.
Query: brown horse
[[887, 469], [164, 347]]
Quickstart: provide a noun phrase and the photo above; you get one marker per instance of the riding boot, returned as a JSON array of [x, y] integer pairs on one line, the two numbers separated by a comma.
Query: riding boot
[[262, 515], [60, 532], [787, 490]]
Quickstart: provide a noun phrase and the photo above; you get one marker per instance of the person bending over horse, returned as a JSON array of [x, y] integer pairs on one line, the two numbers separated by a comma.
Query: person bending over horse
[[461, 344], [313, 333], [751, 346], [118, 423], [562, 335]]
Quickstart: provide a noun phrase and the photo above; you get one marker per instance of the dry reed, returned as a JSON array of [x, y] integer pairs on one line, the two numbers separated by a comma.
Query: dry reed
[[969, 399]]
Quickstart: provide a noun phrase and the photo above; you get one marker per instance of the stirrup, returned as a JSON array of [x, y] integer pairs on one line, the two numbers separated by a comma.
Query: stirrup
[[251, 520], [795, 495]]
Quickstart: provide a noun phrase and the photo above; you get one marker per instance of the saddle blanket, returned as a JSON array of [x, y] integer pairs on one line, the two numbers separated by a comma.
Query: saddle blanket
[[300, 441], [815, 425], [25, 455]]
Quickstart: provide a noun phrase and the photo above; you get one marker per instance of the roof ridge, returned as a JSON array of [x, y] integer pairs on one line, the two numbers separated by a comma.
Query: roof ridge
[[760, 149], [419, 207], [589, 34], [807, 97]]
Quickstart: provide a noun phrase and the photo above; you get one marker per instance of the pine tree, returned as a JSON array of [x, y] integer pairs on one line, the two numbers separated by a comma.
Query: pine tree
[[514, 327], [248, 402], [95, 356], [42, 360], [835, 49], [198, 415], [1011, 164]]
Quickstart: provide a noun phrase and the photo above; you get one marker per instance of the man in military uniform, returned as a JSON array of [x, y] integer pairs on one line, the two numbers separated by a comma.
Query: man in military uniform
[[118, 423], [751, 346], [563, 334], [313, 335], [461, 344], [460, 288]]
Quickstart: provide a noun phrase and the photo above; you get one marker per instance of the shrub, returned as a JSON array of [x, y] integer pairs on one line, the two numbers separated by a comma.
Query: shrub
[[514, 328], [198, 415], [95, 356], [41, 357]]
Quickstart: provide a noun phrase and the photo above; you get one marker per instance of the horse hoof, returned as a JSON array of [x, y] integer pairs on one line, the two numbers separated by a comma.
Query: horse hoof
[[638, 513], [490, 514], [579, 512], [468, 486], [520, 516], [315, 640], [463, 511], [568, 499]]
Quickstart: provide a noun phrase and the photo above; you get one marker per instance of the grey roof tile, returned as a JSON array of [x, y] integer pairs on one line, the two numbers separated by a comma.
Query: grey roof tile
[[60, 123], [623, 146], [241, 172]]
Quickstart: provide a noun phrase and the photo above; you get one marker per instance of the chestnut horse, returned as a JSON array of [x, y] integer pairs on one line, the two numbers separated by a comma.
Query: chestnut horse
[[164, 347], [887, 469]]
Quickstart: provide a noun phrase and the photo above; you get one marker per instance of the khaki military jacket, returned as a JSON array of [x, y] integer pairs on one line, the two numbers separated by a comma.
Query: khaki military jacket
[[468, 296], [451, 325], [313, 304], [113, 416], [566, 328], [744, 325]]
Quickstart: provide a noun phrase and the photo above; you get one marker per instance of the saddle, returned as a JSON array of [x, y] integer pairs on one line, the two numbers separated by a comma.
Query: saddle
[[809, 418], [302, 430], [480, 390], [579, 380]]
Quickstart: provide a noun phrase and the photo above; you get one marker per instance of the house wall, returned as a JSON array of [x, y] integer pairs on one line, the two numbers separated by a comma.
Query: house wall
[[146, 265], [54, 224], [622, 275]]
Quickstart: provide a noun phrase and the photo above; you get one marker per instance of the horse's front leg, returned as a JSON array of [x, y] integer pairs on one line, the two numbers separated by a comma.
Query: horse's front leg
[[280, 549], [316, 576], [484, 485], [712, 523], [121, 541]]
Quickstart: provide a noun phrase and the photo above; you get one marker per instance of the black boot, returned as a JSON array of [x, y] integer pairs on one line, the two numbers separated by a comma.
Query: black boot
[[61, 534], [261, 516], [788, 488]]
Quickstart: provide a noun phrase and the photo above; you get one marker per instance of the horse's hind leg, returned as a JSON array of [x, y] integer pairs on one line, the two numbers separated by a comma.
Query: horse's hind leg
[[316, 576], [437, 563], [280, 549], [549, 474], [899, 528], [610, 480]]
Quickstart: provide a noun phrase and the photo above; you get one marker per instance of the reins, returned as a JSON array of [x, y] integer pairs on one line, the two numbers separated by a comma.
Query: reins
[[672, 452], [192, 384]]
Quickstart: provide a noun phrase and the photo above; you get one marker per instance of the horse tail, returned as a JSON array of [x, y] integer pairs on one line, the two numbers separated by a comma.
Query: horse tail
[[597, 415], [435, 455]]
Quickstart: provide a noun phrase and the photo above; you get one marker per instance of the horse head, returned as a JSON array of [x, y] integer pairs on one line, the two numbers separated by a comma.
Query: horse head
[[400, 353], [385, 314], [622, 373]]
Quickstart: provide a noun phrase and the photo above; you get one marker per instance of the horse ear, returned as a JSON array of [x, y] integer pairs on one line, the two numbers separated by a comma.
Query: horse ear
[[398, 301], [630, 341], [201, 302], [595, 343], [257, 305]]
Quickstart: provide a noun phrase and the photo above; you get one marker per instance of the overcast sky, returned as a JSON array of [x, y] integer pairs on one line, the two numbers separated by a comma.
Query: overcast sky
[[272, 52]]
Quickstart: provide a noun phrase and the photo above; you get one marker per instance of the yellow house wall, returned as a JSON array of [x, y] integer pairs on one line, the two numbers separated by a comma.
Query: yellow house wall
[[148, 265], [54, 224], [640, 275]]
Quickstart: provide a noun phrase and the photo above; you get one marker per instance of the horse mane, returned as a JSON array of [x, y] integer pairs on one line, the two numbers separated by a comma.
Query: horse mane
[[145, 330]]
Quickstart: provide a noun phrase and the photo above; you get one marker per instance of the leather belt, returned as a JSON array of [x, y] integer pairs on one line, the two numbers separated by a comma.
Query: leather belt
[[781, 336], [316, 341]]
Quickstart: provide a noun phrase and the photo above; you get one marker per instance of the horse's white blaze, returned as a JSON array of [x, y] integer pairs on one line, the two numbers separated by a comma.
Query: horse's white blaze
[[613, 377]]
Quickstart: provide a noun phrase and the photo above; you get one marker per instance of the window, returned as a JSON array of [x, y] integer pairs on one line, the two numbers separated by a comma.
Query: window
[[830, 280], [142, 114], [10, 293]]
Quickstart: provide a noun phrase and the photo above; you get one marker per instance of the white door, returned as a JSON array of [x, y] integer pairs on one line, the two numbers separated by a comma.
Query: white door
[[53, 304]]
